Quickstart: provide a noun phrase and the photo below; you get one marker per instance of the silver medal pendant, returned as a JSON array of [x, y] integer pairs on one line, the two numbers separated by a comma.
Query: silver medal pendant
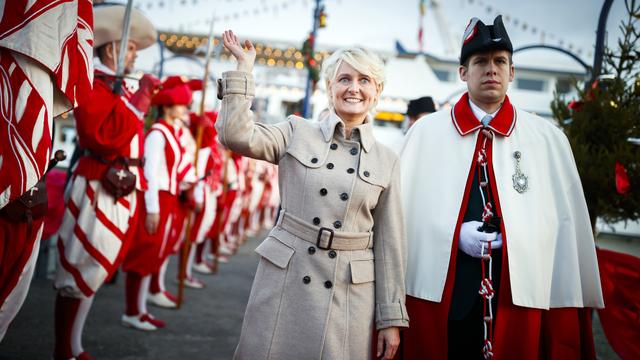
[[520, 180]]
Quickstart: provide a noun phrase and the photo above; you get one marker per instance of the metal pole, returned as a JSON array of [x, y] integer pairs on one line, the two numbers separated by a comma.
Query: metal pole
[[306, 109], [599, 50], [161, 69], [186, 247], [559, 49]]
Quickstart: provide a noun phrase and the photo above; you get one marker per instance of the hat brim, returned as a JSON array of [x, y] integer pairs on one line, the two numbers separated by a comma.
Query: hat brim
[[108, 23]]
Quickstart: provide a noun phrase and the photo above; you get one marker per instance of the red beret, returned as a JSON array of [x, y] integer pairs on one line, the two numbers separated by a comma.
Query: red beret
[[208, 131], [196, 84], [175, 91]]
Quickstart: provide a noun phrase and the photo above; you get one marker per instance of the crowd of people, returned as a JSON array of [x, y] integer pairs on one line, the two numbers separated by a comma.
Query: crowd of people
[[473, 242], [137, 196]]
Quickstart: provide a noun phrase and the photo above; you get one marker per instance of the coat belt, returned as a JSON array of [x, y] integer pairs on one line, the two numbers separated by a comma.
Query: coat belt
[[324, 238]]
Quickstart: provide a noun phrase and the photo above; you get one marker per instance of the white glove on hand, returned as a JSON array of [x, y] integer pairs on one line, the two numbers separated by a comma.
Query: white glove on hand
[[472, 241]]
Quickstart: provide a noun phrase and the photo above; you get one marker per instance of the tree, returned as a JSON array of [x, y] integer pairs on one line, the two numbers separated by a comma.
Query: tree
[[603, 127]]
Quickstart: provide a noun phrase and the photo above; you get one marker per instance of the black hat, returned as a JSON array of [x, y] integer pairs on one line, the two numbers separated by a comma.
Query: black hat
[[424, 104], [480, 37]]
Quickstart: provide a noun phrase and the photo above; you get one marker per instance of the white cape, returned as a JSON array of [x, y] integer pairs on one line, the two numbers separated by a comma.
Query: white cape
[[551, 251]]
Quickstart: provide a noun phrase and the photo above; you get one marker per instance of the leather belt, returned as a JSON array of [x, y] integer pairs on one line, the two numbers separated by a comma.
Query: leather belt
[[120, 159], [134, 161], [324, 238]]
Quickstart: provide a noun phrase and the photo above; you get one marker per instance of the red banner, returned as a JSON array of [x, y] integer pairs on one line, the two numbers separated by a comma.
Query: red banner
[[620, 277], [46, 68]]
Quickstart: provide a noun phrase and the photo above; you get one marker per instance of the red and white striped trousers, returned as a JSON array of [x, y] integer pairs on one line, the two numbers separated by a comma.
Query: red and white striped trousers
[[95, 234]]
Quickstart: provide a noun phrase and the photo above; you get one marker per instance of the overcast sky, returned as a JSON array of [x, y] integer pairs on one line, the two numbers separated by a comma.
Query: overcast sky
[[378, 23]]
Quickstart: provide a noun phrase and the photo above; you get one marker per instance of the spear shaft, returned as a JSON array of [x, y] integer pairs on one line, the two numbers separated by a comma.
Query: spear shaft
[[124, 41], [186, 248]]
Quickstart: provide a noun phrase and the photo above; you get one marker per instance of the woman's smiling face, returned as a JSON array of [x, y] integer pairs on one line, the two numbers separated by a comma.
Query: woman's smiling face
[[353, 93]]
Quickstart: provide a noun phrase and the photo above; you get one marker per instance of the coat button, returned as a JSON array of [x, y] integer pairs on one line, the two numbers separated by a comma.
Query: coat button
[[366, 173], [311, 250], [354, 151], [328, 284], [314, 160], [316, 221], [334, 146], [337, 224], [344, 197], [307, 279], [351, 170], [332, 254], [330, 166], [323, 191]]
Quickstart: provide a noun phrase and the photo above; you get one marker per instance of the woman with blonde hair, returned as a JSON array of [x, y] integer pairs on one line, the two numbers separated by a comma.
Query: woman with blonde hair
[[332, 269]]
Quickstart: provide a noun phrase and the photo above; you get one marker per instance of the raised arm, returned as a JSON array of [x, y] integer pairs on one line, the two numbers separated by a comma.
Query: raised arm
[[235, 125]]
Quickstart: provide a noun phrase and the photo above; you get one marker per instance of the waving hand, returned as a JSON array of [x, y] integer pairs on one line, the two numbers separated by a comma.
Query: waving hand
[[246, 56]]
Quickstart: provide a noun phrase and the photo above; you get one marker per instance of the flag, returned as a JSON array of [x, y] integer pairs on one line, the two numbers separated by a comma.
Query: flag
[[423, 10], [46, 69]]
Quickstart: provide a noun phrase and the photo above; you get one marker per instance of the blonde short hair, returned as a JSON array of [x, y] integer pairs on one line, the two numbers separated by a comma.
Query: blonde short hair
[[363, 60]]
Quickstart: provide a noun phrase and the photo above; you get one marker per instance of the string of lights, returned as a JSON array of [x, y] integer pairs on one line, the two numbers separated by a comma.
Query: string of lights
[[268, 55]]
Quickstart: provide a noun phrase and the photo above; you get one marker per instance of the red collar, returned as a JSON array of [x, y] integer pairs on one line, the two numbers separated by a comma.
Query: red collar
[[466, 122]]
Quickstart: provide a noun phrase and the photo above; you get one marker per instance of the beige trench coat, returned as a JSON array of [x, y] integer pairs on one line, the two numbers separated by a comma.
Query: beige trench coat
[[308, 302]]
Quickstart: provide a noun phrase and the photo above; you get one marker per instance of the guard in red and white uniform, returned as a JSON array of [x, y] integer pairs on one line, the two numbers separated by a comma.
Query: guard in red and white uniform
[[271, 198], [232, 205], [189, 199], [107, 182], [214, 184], [154, 241], [40, 79], [205, 213], [191, 196], [501, 257], [225, 191]]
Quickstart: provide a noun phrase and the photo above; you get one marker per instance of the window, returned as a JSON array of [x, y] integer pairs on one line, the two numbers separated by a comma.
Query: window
[[442, 75], [295, 108], [563, 86], [531, 84]]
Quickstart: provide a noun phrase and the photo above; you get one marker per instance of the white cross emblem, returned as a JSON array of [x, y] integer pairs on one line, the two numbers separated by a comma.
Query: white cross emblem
[[121, 175], [32, 190]]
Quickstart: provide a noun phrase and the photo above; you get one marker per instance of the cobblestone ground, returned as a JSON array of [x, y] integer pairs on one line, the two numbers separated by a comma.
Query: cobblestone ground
[[206, 327]]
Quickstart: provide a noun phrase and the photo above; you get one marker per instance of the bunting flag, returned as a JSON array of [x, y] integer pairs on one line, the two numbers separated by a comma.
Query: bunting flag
[[546, 37], [423, 10], [46, 69]]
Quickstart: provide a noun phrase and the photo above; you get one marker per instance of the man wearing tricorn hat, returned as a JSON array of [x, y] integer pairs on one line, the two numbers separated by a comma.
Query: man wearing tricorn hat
[[108, 182], [501, 254]]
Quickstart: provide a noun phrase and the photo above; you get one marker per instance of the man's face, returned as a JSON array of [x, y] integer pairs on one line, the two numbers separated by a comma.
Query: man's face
[[130, 57], [488, 75], [112, 51]]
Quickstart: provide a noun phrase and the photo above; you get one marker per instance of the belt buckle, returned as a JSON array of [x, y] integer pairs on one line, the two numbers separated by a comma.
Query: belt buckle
[[320, 238]]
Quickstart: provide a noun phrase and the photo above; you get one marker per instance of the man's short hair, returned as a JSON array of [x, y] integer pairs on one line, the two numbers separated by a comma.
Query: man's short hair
[[101, 51], [466, 62]]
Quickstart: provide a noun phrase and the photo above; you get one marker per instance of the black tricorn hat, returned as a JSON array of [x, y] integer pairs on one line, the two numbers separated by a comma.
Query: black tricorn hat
[[480, 37], [424, 104]]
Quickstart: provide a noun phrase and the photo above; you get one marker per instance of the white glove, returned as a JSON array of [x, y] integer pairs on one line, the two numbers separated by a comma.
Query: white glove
[[472, 241]]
